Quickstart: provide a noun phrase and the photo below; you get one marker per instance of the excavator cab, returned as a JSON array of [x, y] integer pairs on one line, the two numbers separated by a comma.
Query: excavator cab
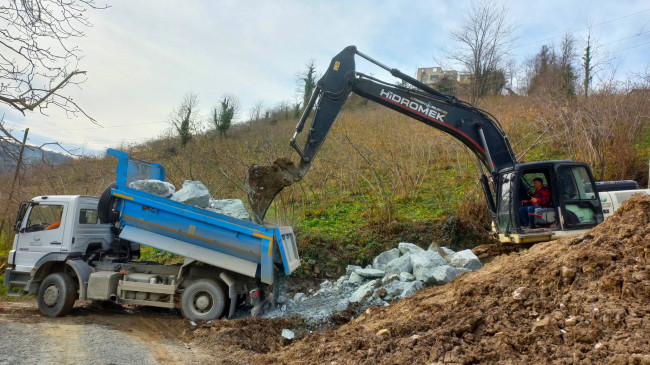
[[574, 206]]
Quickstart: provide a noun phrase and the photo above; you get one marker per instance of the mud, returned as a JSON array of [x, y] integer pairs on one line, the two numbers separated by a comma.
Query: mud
[[263, 183], [576, 300]]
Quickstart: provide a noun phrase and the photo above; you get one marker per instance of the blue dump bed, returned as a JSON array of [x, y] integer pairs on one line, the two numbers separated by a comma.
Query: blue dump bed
[[233, 244]]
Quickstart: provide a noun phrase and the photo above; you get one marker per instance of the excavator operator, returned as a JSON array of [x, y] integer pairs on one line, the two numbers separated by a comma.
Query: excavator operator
[[541, 198]]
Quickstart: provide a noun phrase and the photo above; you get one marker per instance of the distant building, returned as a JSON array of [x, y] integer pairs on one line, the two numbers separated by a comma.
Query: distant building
[[432, 76], [465, 79]]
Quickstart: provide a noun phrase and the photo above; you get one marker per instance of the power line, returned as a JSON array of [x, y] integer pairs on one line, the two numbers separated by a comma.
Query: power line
[[580, 30], [638, 45], [622, 39]]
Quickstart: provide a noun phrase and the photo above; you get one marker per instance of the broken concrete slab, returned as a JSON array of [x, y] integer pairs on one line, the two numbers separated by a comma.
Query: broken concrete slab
[[193, 193], [400, 264], [444, 274], [350, 269], [370, 273], [384, 258], [464, 259], [355, 278], [409, 248], [423, 265], [365, 291], [231, 207], [155, 187]]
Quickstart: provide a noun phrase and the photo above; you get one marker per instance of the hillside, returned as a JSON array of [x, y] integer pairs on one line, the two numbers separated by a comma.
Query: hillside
[[380, 178], [32, 157]]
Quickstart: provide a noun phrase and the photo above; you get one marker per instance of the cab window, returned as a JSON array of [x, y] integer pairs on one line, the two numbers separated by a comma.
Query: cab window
[[576, 191], [42, 217], [88, 216]]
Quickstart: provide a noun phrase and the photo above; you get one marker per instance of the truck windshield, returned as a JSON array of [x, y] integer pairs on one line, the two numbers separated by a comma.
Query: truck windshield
[[44, 216]]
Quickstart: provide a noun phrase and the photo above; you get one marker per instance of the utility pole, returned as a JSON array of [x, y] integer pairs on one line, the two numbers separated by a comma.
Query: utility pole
[[13, 183]]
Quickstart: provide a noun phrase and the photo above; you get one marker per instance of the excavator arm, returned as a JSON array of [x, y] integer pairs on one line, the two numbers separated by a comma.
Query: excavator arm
[[475, 128]]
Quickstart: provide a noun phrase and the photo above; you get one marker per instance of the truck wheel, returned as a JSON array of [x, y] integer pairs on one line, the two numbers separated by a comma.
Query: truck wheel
[[203, 300], [106, 206], [56, 295]]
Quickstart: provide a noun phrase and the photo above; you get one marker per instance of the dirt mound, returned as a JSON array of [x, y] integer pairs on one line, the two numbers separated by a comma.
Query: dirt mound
[[246, 336], [576, 300]]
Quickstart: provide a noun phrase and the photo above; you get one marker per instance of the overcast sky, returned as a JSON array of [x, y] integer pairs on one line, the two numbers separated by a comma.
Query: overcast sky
[[142, 57]]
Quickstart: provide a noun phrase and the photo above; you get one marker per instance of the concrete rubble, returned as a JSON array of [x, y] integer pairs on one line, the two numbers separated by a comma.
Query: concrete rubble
[[155, 187], [196, 194], [193, 193], [394, 274], [230, 207]]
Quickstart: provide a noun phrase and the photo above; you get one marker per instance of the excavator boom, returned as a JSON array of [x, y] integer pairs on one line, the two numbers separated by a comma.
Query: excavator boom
[[475, 128]]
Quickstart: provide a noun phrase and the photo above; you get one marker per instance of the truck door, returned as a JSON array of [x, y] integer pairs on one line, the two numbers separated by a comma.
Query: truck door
[[41, 233], [579, 202]]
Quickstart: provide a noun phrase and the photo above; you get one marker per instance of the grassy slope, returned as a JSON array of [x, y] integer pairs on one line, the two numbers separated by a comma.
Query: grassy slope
[[380, 178]]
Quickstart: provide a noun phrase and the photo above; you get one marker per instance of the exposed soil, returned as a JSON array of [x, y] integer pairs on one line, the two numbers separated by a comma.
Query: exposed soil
[[578, 300]]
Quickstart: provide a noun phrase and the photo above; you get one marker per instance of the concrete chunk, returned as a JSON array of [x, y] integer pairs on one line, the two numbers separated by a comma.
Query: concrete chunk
[[409, 248], [193, 193], [444, 274], [231, 207], [365, 291], [156, 187], [399, 265], [350, 269], [355, 278], [464, 259], [424, 262], [288, 334], [384, 258], [370, 273]]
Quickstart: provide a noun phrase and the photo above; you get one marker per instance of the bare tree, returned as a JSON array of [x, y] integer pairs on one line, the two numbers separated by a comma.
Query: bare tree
[[184, 118], [37, 57], [485, 39], [255, 113]]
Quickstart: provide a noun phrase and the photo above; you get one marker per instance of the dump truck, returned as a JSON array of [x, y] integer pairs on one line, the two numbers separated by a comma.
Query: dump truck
[[74, 247]]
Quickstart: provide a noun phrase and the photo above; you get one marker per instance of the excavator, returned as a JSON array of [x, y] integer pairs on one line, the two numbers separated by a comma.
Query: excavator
[[575, 204]]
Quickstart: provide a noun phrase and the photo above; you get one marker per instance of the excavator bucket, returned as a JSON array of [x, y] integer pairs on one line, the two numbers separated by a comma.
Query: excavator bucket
[[263, 183]]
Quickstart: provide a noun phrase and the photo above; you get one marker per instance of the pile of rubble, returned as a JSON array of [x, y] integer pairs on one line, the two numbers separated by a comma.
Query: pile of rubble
[[393, 275], [193, 193]]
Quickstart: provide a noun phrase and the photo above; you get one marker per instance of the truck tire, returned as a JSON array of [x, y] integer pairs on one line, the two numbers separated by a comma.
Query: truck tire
[[106, 206], [56, 295], [203, 300]]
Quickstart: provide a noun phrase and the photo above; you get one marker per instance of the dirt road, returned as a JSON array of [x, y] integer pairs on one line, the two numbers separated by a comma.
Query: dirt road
[[92, 335]]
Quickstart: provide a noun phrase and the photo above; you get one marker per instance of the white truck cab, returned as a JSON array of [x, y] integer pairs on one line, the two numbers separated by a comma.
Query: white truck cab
[[51, 225]]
